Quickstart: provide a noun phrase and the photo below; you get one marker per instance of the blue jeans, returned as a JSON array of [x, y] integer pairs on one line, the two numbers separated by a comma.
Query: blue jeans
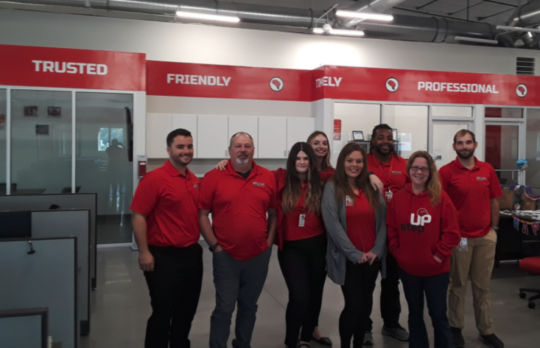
[[434, 288], [236, 281]]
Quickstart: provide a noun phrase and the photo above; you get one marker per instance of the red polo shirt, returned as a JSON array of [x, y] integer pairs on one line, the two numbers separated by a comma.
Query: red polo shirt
[[471, 191], [360, 222], [169, 200], [393, 173], [238, 208]]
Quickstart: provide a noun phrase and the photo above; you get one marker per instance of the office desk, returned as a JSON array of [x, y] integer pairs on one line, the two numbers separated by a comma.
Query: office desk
[[519, 234]]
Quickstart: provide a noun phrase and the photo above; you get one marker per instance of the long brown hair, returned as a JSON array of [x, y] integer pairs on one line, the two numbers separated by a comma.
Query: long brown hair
[[433, 185], [341, 182], [325, 164], [292, 190]]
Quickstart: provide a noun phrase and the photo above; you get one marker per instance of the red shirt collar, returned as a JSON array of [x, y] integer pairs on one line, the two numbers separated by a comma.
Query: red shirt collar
[[172, 171], [230, 170], [458, 164]]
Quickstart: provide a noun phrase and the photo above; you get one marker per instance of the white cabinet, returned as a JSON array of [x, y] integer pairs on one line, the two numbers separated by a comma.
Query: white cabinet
[[212, 134], [246, 124], [188, 122], [298, 129], [157, 128], [272, 137]]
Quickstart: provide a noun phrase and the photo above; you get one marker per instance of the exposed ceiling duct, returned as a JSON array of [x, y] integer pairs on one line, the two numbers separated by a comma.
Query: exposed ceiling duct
[[403, 27]]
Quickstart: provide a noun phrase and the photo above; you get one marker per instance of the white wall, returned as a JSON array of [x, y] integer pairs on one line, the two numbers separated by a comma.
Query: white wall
[[232, 46]]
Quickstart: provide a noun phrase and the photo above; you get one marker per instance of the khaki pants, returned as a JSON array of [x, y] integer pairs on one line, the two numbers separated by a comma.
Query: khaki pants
[[476, 264]]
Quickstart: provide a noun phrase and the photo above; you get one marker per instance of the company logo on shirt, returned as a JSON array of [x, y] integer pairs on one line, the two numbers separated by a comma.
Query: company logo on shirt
[[58, 67], [258, 184], [195, 186], [421, 217], [481, 178]]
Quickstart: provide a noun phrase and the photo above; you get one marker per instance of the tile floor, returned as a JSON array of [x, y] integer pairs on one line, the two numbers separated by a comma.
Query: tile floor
[[120, 307]]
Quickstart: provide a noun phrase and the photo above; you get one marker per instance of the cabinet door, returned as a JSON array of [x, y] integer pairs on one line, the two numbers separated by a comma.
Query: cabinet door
[[298, 129], [246, 124], [188, 122], [212, 135], [157, 128], [272, 137]]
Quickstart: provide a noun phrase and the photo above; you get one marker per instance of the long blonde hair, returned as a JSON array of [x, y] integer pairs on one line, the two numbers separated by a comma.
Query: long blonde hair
[[433, 185]]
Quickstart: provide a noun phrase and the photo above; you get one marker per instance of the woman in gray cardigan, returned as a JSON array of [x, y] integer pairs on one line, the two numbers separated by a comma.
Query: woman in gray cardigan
[[355, 219]]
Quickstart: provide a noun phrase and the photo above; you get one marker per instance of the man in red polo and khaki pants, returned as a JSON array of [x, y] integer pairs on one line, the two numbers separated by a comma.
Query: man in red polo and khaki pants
[[166, 227], [473, 187], [240, 236]]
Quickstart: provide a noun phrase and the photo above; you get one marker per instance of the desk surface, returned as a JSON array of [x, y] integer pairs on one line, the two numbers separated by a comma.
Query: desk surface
[[528, 215]]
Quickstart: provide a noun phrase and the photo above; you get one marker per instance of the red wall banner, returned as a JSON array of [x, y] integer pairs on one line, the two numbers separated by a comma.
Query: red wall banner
[[222, 81], [71, 68]]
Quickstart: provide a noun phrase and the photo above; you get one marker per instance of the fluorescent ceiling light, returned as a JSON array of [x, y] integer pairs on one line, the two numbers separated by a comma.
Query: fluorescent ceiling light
[[364, 15], [207, 17], [475, 39], [509, 28], [327, 29]]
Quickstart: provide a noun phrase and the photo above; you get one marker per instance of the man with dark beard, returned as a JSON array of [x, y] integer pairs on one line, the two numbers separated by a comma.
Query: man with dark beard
[[473, 187], [391, 170]]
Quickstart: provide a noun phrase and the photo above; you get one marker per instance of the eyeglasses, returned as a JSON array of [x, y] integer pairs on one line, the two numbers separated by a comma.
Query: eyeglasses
[[420, 169]]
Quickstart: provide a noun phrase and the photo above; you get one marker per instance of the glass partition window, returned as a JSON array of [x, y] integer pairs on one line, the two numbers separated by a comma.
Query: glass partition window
[[502, 152], [451, 111], [411, 124], [443, 139], [40, 141], [3, 119], [504, 112], [104, 160], [533, 149]]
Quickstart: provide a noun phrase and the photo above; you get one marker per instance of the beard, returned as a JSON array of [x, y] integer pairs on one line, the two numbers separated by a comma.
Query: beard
[[465, 154], [384, 149]]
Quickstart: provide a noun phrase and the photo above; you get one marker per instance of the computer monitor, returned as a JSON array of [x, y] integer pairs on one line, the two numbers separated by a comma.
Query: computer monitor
[[15, 224], [357, 135]]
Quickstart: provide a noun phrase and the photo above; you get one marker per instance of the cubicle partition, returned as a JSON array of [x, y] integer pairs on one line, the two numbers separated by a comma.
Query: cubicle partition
[[25, 327], [60, 201], [67, 223], [42, 273]]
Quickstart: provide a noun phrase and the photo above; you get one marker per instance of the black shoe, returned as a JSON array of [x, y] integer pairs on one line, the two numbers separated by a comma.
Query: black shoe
[[493, 341], [457, 337], [323, 340], [397, 332], [368, 339]]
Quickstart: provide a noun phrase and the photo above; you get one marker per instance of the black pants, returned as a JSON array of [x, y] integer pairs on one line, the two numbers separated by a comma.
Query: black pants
[[175, 286], [303, 264], [389, 301], [358, 294]]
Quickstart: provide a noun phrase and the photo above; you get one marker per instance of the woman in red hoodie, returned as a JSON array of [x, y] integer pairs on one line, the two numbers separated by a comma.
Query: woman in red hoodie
[[422, 231]]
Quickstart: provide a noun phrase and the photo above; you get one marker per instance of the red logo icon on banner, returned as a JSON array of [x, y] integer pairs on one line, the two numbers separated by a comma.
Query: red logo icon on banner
[[276, 84], [521, 90], [392, 84]]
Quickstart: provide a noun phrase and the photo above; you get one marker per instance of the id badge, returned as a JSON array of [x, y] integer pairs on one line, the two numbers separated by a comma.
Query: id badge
[[388, 195], [301, 220], [349, 202], [463, 244]]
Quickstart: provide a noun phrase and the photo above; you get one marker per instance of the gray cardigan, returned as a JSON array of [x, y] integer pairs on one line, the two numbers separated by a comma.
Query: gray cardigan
[[340, 248]]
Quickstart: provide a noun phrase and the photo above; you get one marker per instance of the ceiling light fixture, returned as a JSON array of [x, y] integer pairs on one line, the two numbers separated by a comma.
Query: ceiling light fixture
[[364, 16], [207, 17], [509, 28], [327, 29], [475, 40]]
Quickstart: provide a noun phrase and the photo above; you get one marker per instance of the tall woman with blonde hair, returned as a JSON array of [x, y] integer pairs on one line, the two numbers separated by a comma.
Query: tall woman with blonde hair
[[422, 231]]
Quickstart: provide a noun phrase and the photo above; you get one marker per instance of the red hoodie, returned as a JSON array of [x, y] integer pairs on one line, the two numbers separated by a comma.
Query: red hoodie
[[417, 231]]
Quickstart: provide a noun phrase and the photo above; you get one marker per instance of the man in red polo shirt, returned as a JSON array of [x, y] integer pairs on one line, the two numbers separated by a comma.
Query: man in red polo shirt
[[166, 227], [473, 187], [391, 170], [240, 237]]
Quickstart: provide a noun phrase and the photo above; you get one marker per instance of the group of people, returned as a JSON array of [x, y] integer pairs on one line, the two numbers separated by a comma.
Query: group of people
[[373, 213]]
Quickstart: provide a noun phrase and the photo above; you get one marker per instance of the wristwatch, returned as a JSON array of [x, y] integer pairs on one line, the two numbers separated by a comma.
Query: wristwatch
[[496, 228], [213, 247]]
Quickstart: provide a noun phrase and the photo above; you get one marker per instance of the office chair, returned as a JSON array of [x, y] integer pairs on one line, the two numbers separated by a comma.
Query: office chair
[[532, 265]]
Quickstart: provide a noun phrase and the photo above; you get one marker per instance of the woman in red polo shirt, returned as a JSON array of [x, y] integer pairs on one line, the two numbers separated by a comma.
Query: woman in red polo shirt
[[354, 216], [422, 231], [321, 147], [302, 242]]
